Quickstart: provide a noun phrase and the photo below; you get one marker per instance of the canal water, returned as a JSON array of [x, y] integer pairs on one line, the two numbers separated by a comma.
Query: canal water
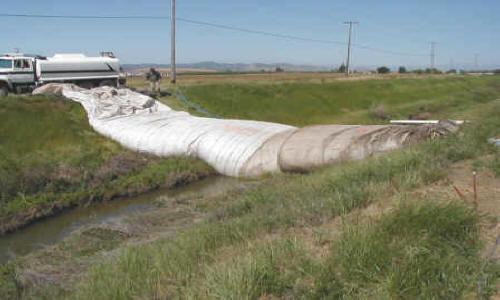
[[53, 229]]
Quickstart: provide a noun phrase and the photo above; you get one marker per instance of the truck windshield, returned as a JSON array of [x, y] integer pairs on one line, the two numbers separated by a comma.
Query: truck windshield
[[6, 63]]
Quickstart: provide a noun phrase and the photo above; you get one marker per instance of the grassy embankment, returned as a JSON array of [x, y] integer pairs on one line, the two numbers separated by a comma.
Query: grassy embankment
[[50, 159], [341, 102], [285, 238]]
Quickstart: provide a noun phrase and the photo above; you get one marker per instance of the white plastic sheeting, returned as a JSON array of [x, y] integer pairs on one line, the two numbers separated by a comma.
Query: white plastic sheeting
[[233, 147], [140, 123]]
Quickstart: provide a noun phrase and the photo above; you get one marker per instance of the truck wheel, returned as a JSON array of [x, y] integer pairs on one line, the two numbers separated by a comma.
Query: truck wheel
[[111, 83], [4, 91]]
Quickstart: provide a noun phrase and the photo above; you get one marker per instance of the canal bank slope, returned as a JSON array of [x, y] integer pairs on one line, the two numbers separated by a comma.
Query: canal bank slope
[[51, 159]]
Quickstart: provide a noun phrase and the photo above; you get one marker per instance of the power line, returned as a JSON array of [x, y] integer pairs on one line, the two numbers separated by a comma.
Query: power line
[[388, 51], [300, 38], [203, 23], [284, 36], [81, 17], [228, 27]]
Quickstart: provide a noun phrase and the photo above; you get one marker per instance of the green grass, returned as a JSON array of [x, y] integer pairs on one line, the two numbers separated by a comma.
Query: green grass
[[50, 156], [424, 251], [342, 102], [440, 241]]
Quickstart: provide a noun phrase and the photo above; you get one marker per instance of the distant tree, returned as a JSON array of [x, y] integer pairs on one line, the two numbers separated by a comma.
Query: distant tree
[[432, 71], [418, 71], [279, 70], [451, 71], [497, 71], [342, 68], [402, 70], [383, 70]]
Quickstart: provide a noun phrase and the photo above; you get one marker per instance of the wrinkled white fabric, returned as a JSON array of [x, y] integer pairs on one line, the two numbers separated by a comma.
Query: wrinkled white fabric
[[140, 123]]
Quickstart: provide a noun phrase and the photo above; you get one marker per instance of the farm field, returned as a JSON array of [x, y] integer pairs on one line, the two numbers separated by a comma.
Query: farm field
[[388, 227], [266, 77]]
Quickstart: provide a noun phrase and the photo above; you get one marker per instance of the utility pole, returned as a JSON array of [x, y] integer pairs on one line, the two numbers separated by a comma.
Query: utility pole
[[348, 63], [433, 56], [476, 58], [172, 43]]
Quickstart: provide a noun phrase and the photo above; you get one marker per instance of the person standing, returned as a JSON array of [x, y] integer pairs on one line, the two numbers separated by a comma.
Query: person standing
[[154, 80]]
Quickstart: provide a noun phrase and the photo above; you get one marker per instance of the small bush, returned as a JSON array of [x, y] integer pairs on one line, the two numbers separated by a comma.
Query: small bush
[[380, 112]]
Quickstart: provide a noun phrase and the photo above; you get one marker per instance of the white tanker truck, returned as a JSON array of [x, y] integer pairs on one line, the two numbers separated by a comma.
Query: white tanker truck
[[22, 73]]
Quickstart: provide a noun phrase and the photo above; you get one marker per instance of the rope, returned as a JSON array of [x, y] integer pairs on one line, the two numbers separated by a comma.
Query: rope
[[183, 98]]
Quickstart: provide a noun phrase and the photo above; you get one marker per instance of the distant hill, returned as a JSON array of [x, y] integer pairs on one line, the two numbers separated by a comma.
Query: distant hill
[[236, 67]]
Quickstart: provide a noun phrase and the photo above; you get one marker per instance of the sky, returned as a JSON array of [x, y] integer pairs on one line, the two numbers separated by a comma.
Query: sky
[[460, 28]]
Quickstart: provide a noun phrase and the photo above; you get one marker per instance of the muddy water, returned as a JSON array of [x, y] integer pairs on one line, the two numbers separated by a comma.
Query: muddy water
[[52, 230]]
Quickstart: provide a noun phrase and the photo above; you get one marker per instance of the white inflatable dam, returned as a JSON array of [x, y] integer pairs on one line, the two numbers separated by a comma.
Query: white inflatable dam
[[237, 148]]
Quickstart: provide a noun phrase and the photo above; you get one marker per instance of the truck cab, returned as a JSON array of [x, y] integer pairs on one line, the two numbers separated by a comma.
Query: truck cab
[[16, 73]]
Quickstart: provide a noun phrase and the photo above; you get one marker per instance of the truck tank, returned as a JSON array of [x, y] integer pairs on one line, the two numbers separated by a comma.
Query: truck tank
[[76, 67]]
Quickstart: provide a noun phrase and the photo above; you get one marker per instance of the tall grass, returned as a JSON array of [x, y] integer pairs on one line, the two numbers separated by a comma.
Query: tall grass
[[282, 267], [426, 251]]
